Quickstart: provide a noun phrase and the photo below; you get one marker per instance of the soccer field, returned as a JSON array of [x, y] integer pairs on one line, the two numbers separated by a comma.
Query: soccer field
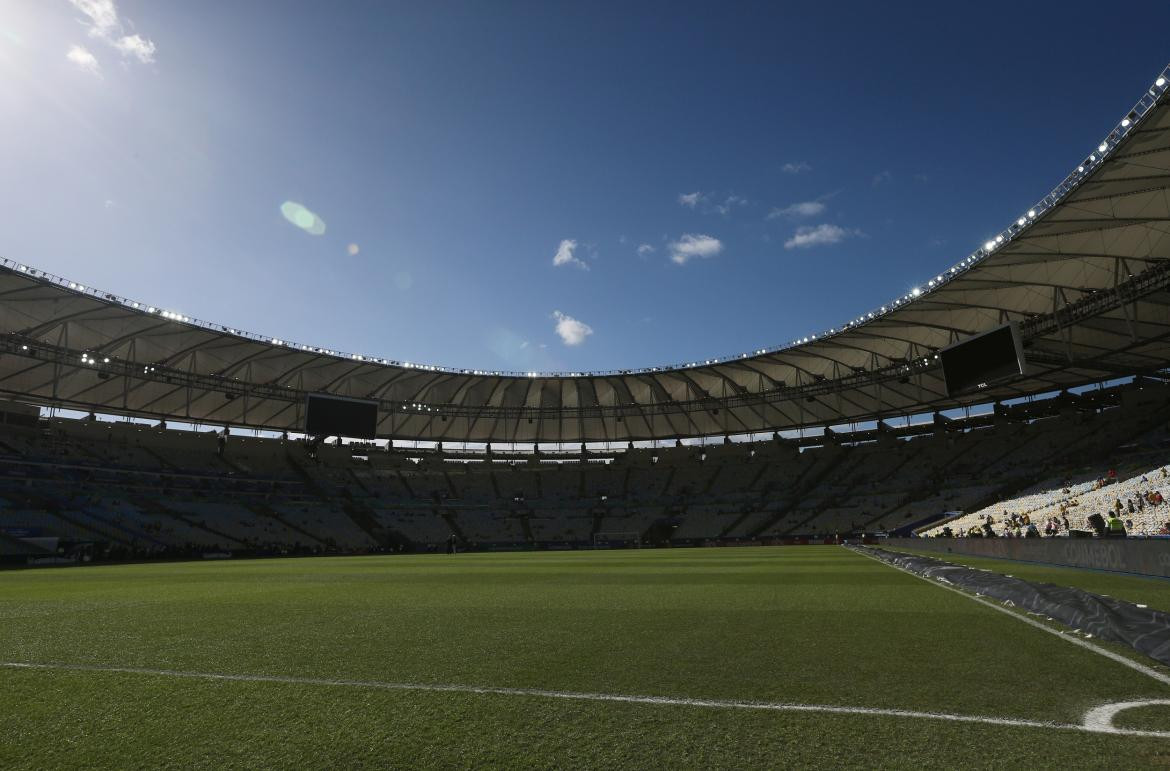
[[729, 657]]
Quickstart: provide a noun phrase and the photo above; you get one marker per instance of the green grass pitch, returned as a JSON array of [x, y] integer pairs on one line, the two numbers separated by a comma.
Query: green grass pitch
[[783, 625]]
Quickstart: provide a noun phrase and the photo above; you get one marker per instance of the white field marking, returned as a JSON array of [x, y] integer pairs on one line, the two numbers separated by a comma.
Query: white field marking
[[1135, 665], [1100, 719], [1102, 725]]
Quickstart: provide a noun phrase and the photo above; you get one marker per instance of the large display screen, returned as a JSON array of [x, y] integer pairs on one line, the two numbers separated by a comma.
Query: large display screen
[[339, 416], [981, 360]]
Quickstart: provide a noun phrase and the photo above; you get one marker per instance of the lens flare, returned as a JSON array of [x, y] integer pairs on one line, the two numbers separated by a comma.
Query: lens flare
[[303, 218], [353, 250]]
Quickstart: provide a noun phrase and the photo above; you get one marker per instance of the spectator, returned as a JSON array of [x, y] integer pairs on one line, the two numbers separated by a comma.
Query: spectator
[[1116, 527]]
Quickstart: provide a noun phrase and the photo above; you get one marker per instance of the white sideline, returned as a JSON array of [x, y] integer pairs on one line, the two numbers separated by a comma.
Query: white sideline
[[1135, 665], [1097, 720]]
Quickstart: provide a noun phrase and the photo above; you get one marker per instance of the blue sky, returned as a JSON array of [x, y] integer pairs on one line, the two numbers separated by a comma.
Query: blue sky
[[541, 186]]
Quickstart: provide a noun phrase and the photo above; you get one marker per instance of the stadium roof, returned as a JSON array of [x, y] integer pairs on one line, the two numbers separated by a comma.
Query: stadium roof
[[1085, 273]]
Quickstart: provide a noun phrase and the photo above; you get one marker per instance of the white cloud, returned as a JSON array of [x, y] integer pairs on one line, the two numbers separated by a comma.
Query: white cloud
[[84, 59], [565, 256], [798, 167], [730, 202], [104, 24], [689, 246], [645, 249], [819, 235], [708, 203], [798, 210], [103, 16], [570, 330], [882, 177], [136, 46]]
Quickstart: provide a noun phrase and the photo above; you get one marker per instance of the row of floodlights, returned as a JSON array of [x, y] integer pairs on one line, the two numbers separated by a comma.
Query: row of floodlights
[[988, 248], [1025, 219]]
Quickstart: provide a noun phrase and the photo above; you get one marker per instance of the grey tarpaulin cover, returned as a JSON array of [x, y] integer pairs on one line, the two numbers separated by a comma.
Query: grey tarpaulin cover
[[1143, 629]]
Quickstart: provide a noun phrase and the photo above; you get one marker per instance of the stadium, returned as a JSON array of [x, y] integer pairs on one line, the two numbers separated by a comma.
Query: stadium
[[934, 533]]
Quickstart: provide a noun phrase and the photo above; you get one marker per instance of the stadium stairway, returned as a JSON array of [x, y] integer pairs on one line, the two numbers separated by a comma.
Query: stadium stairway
[[449, 518], [361, 515], [451, 489], [666, 485], [261, 509], [16, 547], [598, 518], [405, 483], [152, 506], [106, 522], [712, 479], [99, 534], [526, 526], [745, 514], [162, 461], [54, 508], [364, 517], [893, 473], [807, 482]]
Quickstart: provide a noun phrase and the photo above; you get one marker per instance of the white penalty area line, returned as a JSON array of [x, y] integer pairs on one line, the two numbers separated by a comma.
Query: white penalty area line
[[1098, 720], [1125, 660]]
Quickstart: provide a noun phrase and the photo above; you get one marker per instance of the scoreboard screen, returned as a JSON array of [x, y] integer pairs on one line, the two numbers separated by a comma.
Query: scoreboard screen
[[341, 416], [979, 361]]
